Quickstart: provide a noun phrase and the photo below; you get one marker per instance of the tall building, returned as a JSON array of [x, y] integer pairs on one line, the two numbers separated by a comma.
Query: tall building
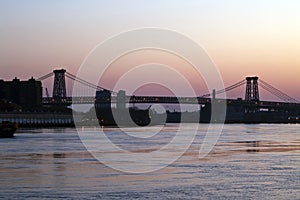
[[121, 97], [27, 94], [103, 99]]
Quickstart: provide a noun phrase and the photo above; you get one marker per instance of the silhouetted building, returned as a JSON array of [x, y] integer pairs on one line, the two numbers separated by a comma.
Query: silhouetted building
[[121, 97], [27, 94], [103, 99]]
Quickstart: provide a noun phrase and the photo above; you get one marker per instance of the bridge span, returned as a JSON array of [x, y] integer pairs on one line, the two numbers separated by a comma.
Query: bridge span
[[163, 100], [252, 103]]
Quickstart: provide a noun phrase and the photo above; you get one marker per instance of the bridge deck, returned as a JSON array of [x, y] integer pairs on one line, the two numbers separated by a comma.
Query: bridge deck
[[167, 100]]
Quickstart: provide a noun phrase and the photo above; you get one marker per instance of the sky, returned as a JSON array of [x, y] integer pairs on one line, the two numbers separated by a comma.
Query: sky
[[242, 37]]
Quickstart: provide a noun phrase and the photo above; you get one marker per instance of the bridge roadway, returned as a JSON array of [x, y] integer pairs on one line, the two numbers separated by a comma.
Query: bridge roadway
[[128, 99], [170, 100]]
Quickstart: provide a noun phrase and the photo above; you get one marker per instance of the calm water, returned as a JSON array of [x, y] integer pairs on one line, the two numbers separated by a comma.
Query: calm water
[[248, 162]]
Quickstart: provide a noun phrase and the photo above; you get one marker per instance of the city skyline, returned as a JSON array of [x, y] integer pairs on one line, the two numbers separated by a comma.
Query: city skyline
[[252, 38]]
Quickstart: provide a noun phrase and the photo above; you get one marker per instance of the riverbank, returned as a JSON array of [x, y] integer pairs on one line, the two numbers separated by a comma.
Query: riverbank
[[38, 119]]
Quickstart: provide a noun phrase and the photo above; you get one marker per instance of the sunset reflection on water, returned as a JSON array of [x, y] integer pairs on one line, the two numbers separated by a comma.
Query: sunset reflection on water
[[249, 161]]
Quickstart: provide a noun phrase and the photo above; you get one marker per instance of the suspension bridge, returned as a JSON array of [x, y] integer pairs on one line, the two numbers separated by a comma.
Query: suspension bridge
[[59, 93], [250, 109]]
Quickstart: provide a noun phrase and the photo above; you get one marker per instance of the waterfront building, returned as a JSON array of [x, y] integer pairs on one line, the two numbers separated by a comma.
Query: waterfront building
[[27, 94]]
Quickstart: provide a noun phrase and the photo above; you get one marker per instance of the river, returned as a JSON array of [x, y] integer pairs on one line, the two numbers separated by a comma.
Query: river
[[258, 161]]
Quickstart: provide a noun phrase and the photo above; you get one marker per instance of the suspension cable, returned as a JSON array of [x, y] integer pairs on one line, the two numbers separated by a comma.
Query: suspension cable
[[282, 93], [232, 87], [277, 92], [266, 86], [75, 78], [79, 81], [274, 93], [86, 83], [45, 77], [236, 85]]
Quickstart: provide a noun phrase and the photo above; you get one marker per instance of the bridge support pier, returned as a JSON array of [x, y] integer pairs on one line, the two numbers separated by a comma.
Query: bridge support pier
[[214, 94], [252, 92], [59, 85]]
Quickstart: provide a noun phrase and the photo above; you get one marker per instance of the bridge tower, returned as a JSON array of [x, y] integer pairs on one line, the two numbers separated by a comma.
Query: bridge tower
[[121, 96], [59, 85], [252, 93]]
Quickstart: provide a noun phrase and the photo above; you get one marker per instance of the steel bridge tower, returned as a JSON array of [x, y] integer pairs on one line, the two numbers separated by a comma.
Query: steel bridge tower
[[59, 85], [252, 93]]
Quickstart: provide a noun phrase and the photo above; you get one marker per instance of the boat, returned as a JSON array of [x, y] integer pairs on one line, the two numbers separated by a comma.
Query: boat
[[7, 129]]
